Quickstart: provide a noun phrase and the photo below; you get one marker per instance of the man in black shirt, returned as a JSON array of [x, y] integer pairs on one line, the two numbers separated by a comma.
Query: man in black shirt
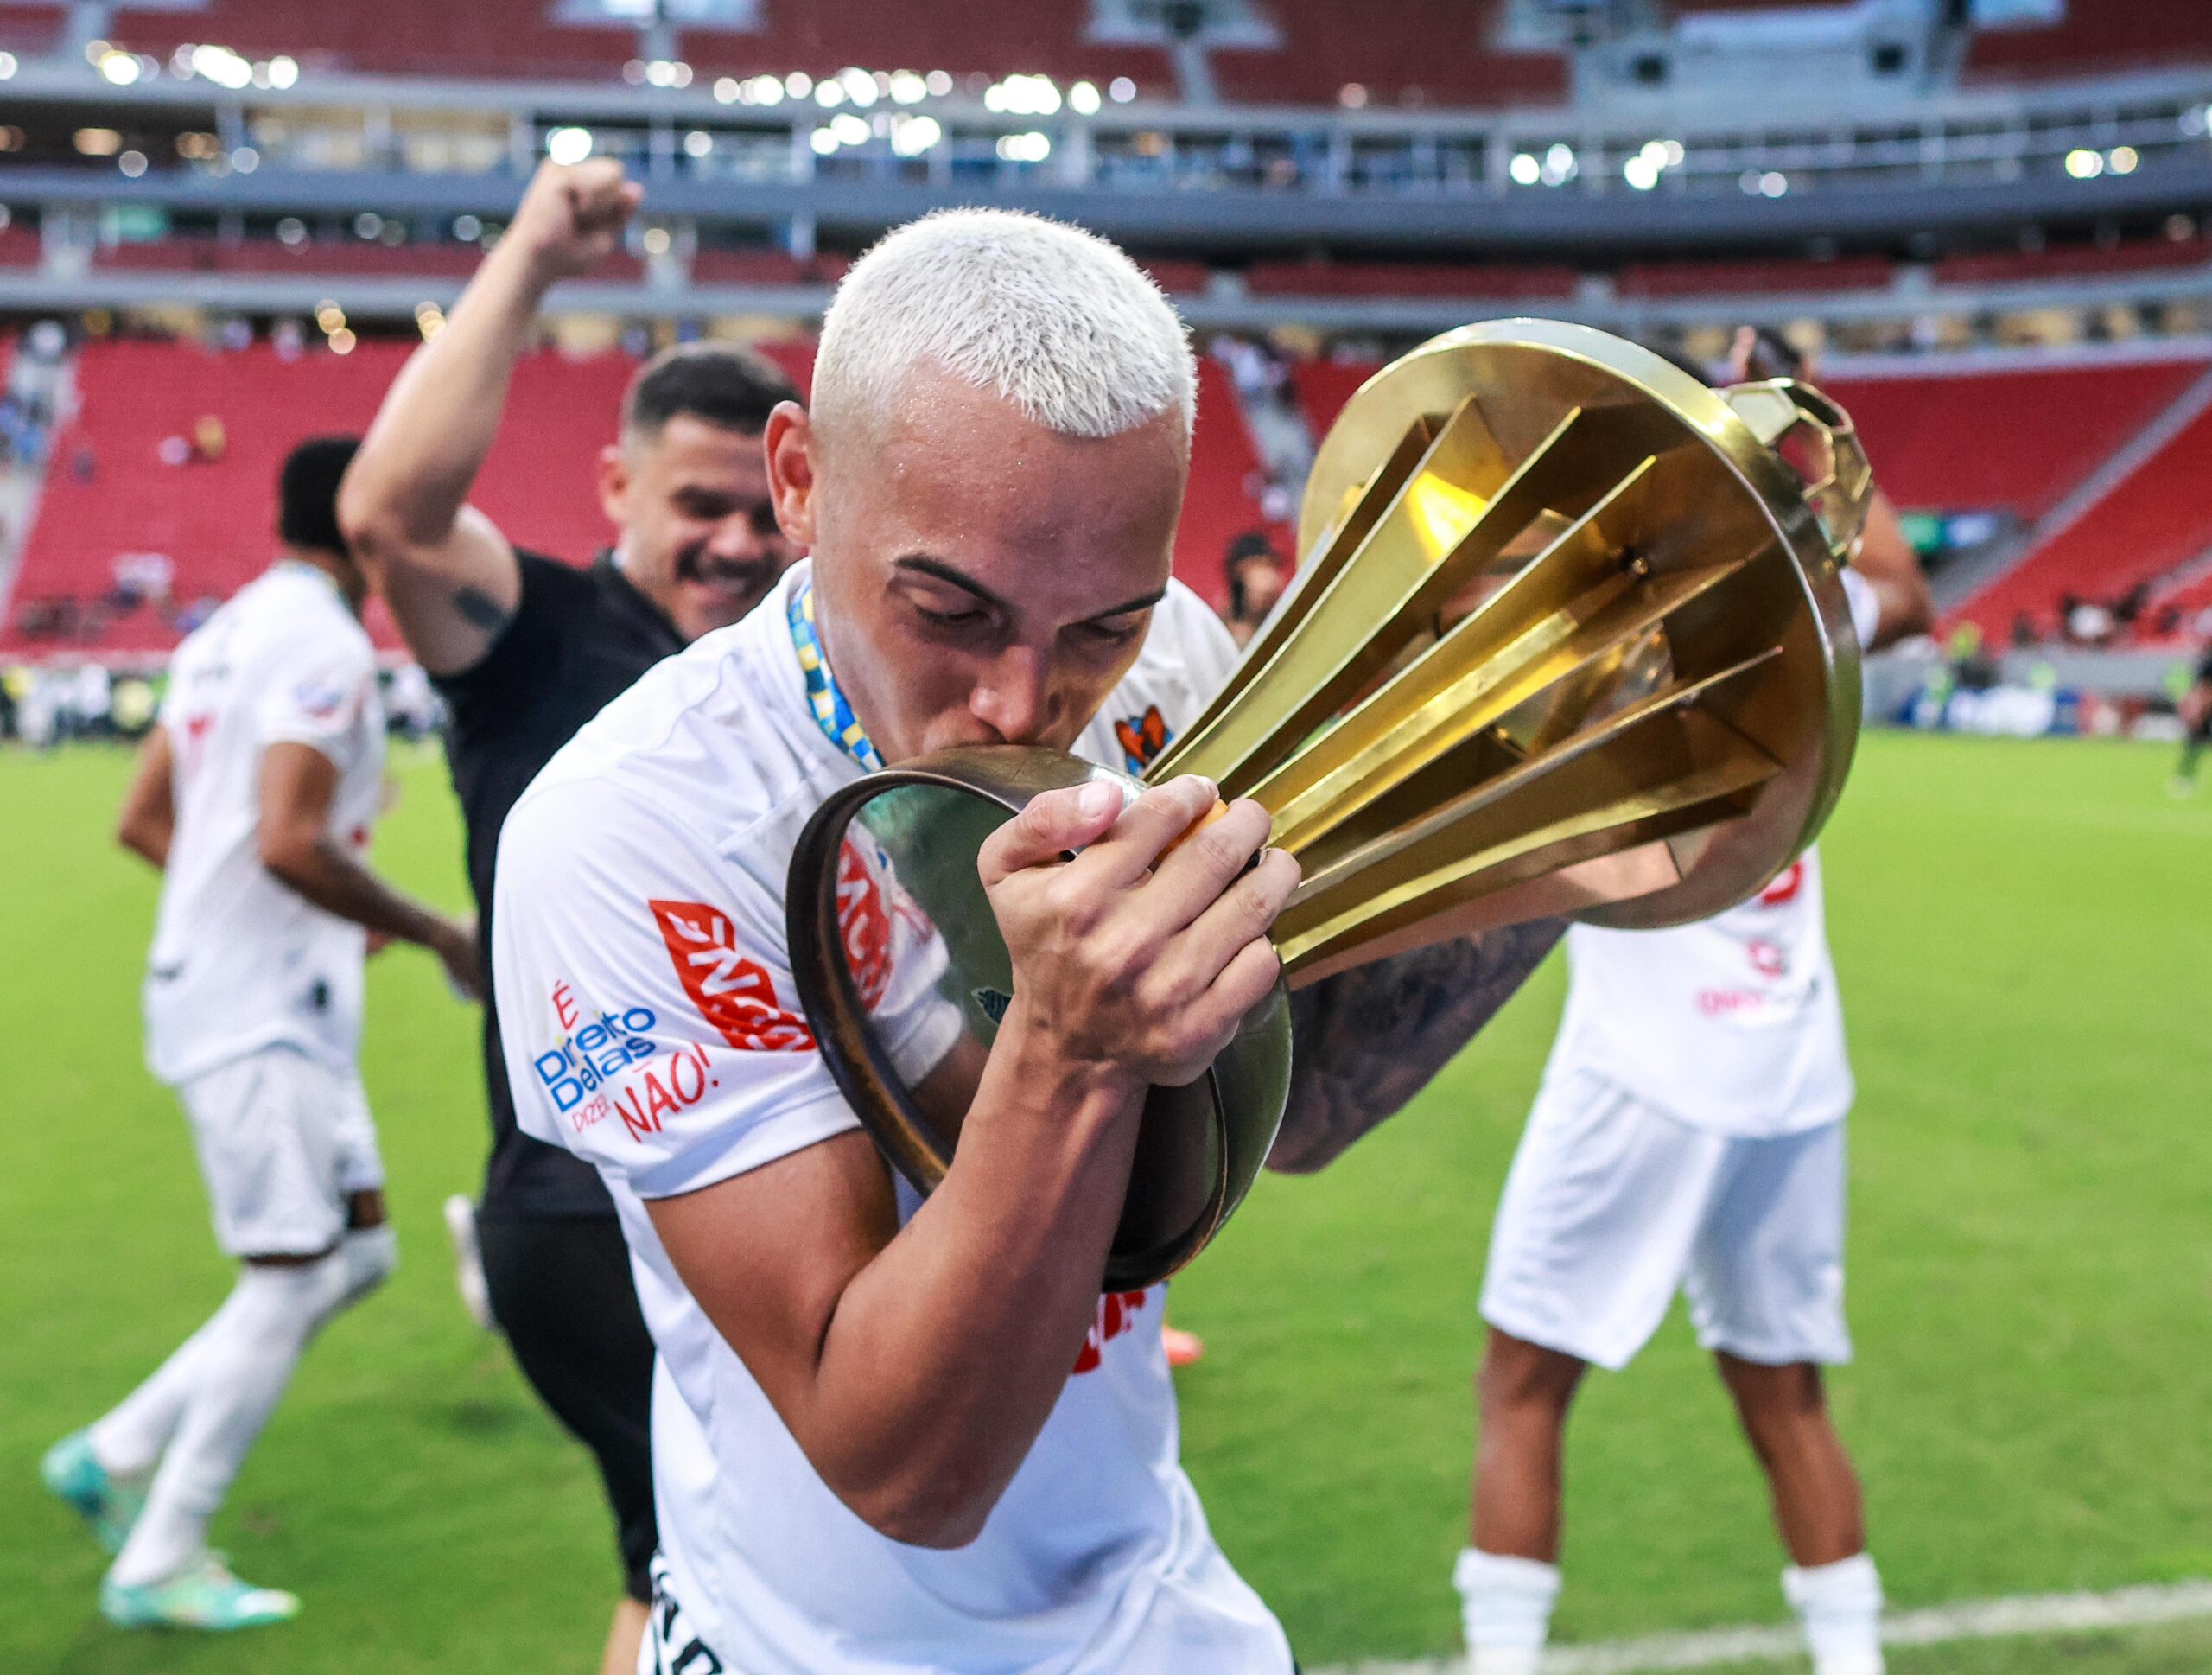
[[524, 651]]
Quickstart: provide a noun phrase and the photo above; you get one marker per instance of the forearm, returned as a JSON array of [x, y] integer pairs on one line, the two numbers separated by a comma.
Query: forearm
[[1369, 1039], [334, 881], [437, 423], [147, 839], [946, 1353]]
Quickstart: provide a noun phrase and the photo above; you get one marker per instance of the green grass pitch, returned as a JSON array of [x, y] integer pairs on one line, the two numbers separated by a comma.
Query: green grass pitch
[[2022, 935]]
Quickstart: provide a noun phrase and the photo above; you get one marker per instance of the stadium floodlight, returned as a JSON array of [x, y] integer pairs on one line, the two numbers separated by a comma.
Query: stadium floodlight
[[656, 240], [132, 163], [6, 66], [246, 159], [341, 341], [222, 67], [767, 90], [1640, 172], [848, 129], [283, 71], [2084, 164], [568, 145], [939, 83], [859, 85], [907, 88], [291, 230], [429, 320], [729, 91], [367, 223], [1524, 169], [698, 142], [468, 228], [911, 135], [823, 140], [329, 315], [118, 68], [1082, 98], [97, 142], [1121, 90], [798, 84], [1773, 183], [1030, 147], [1560, 165], [829, 94], [2122, 159]]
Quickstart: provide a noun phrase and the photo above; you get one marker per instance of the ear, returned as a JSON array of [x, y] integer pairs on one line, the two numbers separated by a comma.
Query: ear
[[794, 473], [614, 484]]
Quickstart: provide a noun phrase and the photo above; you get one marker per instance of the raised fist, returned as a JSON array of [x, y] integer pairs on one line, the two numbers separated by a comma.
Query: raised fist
[[571, 217]]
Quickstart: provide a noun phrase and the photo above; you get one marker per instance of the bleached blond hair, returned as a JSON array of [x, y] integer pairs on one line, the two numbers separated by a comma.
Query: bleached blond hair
[[1046, 317]]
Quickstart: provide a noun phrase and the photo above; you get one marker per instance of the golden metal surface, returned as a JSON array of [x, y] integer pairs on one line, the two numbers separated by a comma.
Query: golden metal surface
[[1668, 658]]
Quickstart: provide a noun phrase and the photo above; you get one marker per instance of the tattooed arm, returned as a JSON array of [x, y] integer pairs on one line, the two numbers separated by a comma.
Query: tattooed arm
[[449, 575], [1367, 1040]]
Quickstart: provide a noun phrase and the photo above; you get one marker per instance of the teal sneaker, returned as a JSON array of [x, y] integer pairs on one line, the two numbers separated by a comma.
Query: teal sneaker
[[110, 1505], [203, 1596]]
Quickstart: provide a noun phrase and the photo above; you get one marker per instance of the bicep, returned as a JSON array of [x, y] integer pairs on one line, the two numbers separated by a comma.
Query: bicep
[[451, 598], [769, 1253]]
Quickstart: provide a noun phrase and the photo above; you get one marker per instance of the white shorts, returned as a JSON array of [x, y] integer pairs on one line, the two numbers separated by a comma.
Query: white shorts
[[283, 1141], [1611, 1207]]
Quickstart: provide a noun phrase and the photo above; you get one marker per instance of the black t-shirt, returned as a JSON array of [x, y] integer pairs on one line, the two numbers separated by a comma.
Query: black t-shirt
[[578, 640]]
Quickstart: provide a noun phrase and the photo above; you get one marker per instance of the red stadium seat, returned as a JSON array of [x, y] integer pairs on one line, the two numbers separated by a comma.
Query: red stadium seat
[[1736, 278], [2098, 35], [1400, 52], [1449, 279]]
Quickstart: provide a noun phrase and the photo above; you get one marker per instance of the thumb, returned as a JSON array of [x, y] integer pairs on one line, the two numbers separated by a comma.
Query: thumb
[[1052, 823]]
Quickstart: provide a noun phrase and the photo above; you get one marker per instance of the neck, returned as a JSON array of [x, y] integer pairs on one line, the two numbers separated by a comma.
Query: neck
[[343, 575]]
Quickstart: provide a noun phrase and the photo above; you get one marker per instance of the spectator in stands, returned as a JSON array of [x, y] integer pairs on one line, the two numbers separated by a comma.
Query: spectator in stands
[[524, 651], [1257, 576]]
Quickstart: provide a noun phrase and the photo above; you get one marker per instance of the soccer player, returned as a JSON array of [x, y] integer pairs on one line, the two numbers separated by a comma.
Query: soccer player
[[524, 650], [2195, 709], [254, 794], [886, 1437], [1688, 1134]]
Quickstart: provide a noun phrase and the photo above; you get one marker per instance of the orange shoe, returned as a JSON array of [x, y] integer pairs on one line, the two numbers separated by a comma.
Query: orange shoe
[[1183, 1347]]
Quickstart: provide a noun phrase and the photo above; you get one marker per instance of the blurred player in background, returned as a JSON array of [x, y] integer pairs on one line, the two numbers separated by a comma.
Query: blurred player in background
[[2195, 709], [524, 650], [1688, 1134], [254, 793]]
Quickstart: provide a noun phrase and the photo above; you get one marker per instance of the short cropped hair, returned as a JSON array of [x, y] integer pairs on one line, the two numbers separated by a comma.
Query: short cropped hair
[[307, 494], [1053, 319], [721, 383]]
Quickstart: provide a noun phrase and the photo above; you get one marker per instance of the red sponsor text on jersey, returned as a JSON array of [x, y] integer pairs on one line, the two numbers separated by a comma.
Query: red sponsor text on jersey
[[862, 925], [734, 993], [1785, 887], [1117, 1312]]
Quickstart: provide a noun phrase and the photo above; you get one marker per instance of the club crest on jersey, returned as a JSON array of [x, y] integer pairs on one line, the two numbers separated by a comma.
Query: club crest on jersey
[[1142, 738], [732, 992]]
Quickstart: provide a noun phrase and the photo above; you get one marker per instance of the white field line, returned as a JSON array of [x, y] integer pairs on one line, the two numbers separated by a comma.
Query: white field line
[[1972, 1619]]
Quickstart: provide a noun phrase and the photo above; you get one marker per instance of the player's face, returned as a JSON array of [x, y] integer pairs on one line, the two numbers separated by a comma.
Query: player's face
[[979, 578], [698, 528]]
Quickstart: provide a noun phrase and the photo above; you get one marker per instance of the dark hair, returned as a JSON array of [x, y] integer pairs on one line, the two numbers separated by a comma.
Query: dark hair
[[307, 494], [720, 383]]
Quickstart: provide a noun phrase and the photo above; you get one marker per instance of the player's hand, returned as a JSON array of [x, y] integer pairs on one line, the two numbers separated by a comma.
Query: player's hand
[[1140, 958], [455, 944], [571, 217]]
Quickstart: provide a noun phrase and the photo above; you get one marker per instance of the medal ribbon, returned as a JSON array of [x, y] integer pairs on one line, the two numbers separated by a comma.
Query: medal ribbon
[[831, 712]]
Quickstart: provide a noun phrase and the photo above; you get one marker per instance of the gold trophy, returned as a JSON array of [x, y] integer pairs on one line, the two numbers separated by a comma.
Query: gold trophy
[[1568, 637]]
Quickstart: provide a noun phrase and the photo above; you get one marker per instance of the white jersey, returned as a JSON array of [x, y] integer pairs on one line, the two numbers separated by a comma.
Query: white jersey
[[651, 1027], [1731, 1024], [239, 961]]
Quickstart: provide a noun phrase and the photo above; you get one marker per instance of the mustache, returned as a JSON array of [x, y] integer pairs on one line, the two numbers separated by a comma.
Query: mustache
[[693, 564]]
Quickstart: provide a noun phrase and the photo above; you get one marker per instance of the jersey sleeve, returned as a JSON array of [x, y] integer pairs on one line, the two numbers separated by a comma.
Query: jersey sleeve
[[646, 1006], [315, 691], [528, 653]]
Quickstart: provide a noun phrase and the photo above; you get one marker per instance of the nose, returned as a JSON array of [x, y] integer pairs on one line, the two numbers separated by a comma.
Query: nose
[[737, 539], [1015, 697]]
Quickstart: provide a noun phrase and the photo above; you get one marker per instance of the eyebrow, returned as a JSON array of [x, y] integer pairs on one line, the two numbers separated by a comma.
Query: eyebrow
[[951, 576]]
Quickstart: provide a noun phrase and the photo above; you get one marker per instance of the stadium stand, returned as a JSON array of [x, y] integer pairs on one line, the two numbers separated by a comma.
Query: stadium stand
[[2074, 261], [1498, 282], [19, 246], [108, 494], [2098, 35], [2154, 521], [200, 254], [1690, 278], [1397, 52], [482, 38]]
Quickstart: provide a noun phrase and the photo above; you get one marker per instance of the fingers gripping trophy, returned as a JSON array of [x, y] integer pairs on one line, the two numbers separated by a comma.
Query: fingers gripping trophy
[[1569, 639]]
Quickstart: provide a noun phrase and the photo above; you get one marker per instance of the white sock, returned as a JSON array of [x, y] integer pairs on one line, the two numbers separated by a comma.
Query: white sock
[[1506, 1606], [244, 1358], [369, 1255], [129, 1438], [1841, 1606]]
